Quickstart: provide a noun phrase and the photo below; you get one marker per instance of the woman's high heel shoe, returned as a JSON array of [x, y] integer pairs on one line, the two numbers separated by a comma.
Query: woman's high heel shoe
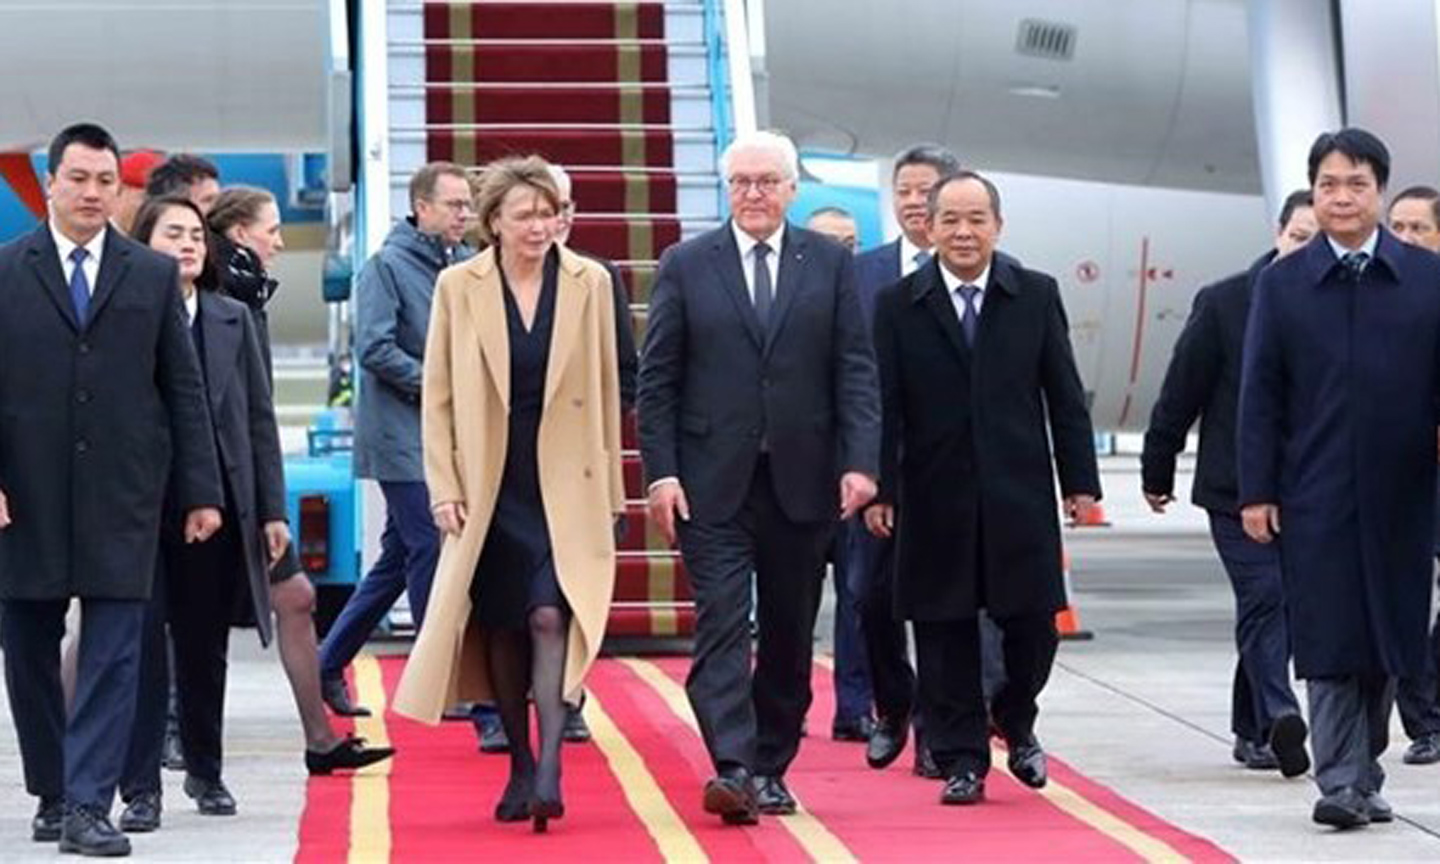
[[514, 805], [542, 811]]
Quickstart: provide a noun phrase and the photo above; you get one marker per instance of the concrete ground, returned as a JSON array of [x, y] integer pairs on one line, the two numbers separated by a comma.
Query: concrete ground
[[1143, 708]]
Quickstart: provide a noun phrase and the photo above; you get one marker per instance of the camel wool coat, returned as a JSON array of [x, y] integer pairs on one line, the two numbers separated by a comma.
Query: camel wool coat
[[465, 421]]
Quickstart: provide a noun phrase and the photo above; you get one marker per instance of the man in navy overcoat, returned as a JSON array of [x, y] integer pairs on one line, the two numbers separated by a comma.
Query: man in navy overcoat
[[1337, 450]]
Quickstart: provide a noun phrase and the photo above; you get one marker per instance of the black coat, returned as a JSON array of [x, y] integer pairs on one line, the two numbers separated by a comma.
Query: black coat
[[1203, 381], [90, 419], [966, 457], [246, 437], [1337, 426], [711, 383]]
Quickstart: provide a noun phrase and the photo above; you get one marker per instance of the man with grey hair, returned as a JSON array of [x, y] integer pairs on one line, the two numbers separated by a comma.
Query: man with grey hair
[[837, 223], [759, 426]]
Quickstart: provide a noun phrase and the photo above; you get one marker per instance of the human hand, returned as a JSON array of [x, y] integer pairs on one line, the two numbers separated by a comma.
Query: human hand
[[201, 524], [666, 500], [4, 511], [1261, 521], [880, 520], [1158, 503], [277, 539], [856, 490], [450, 517]]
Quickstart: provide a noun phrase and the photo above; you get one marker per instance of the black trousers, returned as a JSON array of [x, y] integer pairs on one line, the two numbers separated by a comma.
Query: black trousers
[[198, 600], [79, 758], [869, 565], [951, 688], [753, 721], [1418, 698]]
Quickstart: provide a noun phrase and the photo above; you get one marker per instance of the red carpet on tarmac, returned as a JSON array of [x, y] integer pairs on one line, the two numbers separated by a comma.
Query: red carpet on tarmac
[[633, 794]]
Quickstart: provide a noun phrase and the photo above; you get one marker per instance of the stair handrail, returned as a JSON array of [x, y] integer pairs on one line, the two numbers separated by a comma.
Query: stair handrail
[[732, 87], [372, 70]]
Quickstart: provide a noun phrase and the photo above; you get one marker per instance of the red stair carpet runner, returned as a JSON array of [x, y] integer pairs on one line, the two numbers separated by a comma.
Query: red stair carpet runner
[[584, 85], [633, 795]]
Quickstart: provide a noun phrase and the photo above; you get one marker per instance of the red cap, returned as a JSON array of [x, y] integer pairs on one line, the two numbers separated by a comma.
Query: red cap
[[135, 168]]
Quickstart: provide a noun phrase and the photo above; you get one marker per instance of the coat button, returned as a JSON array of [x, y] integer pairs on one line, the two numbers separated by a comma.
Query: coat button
[[82, 446], [82, 396], [83, 347], [578, 403], [587, 473]]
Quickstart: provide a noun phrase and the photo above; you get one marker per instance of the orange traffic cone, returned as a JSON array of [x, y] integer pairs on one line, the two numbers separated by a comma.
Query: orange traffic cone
[[1067, 620]]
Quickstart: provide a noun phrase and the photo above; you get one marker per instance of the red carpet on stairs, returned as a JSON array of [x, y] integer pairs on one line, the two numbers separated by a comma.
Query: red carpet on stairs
[[441, 792], [519, 104], [563, 20], [561, 62]]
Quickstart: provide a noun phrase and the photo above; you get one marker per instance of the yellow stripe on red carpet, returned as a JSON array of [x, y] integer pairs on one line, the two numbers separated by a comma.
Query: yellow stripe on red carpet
[[809, 832], [370, 786]]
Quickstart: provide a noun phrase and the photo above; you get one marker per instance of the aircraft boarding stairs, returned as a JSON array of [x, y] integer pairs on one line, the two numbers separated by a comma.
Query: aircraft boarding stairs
[[618, 93]]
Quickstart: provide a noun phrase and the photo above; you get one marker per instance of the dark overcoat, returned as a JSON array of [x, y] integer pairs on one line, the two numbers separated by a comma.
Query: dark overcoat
[[965, 454], [246, 437], [1338, 427], [90, 418]]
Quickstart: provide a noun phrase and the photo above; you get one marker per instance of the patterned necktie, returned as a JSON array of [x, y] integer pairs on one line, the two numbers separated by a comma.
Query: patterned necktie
[[79, 285], [971, 319], [1355, 263], [764, 294]]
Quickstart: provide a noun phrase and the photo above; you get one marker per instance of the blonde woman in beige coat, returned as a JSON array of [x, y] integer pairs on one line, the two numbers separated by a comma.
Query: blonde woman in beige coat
[[521, 416]]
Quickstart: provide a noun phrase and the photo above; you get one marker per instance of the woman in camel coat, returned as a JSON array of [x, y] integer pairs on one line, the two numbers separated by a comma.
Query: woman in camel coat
[[521, 418]]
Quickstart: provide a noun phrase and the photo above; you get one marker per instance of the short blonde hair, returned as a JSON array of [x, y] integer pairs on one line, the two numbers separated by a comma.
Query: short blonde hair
[[499, 177]]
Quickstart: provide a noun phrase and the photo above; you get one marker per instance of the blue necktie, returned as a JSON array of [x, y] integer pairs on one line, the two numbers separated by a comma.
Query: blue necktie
[[79, 285], [763, 292], [971, 319], [1355, 262], [921, 259]]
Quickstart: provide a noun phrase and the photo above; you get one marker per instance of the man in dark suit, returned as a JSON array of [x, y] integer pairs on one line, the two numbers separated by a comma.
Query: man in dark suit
[[100, 403], [975, 370], [1415, 218], [1203, 382], [759, 425], [1337, 446]]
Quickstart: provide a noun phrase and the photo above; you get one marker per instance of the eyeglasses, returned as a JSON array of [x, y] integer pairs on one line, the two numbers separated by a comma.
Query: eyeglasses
[[764, 185], [458, 205]]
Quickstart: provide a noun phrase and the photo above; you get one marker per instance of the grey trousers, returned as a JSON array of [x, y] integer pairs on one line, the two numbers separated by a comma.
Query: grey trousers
[[1349, 729]]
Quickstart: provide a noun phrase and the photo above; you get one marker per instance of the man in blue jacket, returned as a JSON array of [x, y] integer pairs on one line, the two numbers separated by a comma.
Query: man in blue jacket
[[1337, 448], [1203, 382], [392, 314]]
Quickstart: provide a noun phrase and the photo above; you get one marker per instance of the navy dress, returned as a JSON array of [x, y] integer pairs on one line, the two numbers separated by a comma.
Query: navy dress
[[516, 573]]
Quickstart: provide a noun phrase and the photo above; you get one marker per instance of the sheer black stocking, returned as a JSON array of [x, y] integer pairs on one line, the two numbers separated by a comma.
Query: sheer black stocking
[[508, 653], [549, 628]]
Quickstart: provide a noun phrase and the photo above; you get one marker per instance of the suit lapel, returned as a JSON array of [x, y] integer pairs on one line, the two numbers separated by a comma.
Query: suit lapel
[[732, 282], [114, 262], [485, 305], [788, 282], [223, 331], [45, 261], [571, 296], [936, 298]]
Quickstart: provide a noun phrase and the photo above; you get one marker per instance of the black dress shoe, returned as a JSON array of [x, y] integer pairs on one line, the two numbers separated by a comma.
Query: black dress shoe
[[1424, 750], [49, 820], [1261, 758], [859, 729], [211, 798], [337, 696], [172, 757], [961, 789], [731, 795], [1242, 750], [141, 814], [925, 764], [1287, 739], [772, 797], [887, 742], [1343, 809], [348, 754], [576, 730], [1378, 809], [1027, 762], [88, 832]]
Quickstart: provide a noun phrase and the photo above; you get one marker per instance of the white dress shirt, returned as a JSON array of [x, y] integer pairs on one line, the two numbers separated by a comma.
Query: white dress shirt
[[747, 246], [1368, 247], [908, 253], [953, 284], [64, 245], [192, 307]]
